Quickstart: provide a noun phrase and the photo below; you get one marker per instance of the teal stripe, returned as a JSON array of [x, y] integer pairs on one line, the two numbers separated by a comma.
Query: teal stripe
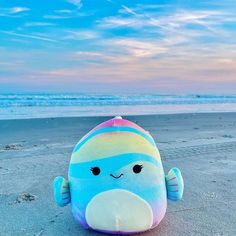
[[109, 165], [116, 129]]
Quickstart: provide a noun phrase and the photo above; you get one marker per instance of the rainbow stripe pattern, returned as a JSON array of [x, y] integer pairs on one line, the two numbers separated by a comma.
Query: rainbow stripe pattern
[[116, 182]]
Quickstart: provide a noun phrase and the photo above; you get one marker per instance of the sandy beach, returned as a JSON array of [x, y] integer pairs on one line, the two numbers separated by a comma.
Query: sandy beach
[[203, 146]]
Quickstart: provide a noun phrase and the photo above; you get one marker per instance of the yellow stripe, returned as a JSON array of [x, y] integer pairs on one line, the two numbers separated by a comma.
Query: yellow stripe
[[114, 143]]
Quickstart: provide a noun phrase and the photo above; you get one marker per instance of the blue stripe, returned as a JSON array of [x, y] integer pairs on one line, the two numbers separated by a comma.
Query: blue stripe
[[109, 164], [114, 129]]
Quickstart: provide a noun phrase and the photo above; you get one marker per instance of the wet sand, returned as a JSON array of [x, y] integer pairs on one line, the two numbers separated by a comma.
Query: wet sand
[[203, 146]]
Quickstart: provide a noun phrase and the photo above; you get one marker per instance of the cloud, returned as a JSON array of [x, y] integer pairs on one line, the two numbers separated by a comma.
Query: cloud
[[38, 24], [89, 54], [64, 11], [115, 68], [29, 36], [57, 17], [67, 14], [142, 7], [139, 48], [80, 34], [151, 71], [174, 20], [94, 57], [13, 12], [77, 3], [177, 36], [128, 10], [114, 22]]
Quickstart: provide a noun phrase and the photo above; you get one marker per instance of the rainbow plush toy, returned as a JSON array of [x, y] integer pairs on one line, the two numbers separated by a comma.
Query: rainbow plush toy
[[116, 180]]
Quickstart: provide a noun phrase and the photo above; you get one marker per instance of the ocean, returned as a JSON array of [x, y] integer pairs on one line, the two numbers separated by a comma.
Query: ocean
[[24, 106]]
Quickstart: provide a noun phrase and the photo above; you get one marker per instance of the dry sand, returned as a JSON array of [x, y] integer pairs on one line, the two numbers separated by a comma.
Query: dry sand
[[203, 146]]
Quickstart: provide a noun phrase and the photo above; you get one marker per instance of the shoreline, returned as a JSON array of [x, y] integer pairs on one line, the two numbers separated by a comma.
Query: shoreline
[[110, 116], [21, 111]]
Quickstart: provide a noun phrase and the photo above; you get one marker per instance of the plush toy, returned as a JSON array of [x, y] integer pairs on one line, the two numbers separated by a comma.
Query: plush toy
[[116, 180]]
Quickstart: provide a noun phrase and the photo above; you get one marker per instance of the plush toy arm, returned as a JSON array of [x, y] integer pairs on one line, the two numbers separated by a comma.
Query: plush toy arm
[[174, 184], [61, 191]]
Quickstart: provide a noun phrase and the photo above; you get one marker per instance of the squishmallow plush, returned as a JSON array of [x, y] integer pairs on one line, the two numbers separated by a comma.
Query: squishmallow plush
[[116, 183]]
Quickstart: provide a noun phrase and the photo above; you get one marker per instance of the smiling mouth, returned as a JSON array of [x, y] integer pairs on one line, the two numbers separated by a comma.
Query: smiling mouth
[[116, 177]]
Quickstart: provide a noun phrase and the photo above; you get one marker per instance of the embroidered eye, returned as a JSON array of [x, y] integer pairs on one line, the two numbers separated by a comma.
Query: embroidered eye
[[95, 170], [137, 169]]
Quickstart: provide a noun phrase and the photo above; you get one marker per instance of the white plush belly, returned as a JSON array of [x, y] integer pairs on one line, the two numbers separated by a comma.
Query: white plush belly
[[119, 210]]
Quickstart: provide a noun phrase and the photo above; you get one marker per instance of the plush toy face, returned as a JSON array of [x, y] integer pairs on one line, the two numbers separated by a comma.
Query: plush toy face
[[116, 180]]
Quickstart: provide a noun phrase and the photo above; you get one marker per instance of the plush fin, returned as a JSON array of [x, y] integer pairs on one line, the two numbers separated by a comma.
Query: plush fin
[[61, 191], [174, 184]]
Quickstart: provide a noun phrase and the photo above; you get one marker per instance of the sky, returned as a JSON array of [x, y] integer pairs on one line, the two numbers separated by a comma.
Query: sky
[[112, 46]]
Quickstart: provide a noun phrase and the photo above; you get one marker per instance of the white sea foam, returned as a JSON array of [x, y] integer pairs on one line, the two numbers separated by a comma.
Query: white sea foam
[[17, 106]]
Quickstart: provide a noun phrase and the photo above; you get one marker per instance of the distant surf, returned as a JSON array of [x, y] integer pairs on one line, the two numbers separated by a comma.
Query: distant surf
[[21, 106]]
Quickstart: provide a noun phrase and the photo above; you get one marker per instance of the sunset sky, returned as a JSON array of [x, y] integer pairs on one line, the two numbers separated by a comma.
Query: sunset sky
[[112, 46]]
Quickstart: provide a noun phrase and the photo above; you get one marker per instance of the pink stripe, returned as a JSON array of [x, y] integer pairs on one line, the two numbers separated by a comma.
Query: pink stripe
[[117, 122], [174, 191]]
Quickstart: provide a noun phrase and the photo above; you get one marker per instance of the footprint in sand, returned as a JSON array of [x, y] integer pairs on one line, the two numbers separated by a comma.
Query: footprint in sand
[[227, 136], [12, 147], [25, 197]]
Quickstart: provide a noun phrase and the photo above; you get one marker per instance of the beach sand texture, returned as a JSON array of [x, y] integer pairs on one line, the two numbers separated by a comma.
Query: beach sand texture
[[203, 146]]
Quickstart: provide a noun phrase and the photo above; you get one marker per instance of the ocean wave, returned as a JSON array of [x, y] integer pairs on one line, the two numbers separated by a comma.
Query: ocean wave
[[67, 100]]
